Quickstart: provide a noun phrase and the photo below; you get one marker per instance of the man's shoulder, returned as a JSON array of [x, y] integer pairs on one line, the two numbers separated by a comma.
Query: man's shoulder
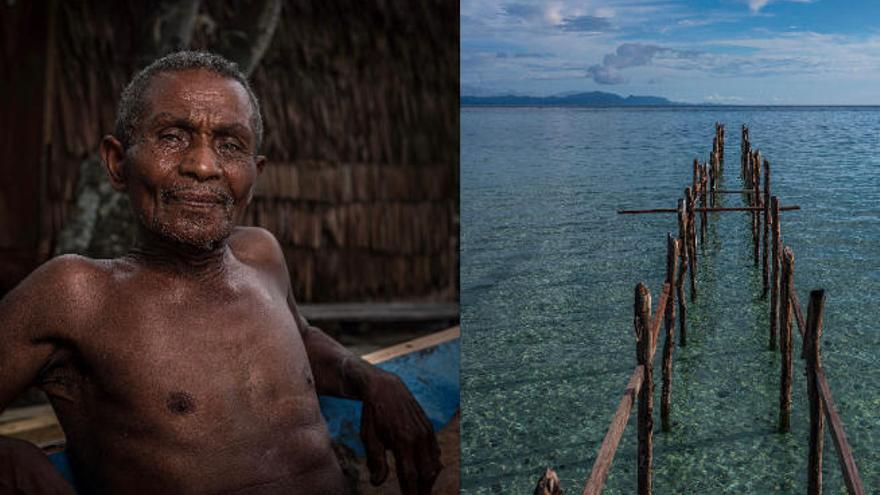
[[68, 285], [72, 272], [257, 247]]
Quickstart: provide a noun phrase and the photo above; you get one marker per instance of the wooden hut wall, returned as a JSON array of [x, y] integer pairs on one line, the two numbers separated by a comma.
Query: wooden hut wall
[[360, 104], [22, 78]]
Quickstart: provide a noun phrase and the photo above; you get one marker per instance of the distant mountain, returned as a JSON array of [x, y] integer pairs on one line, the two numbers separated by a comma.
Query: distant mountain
[[594, 98]]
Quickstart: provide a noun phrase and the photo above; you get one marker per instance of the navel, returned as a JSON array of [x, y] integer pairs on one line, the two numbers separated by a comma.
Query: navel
[[180, 403]]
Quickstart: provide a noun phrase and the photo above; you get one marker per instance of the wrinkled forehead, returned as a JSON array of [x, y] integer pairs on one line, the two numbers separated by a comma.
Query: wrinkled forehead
[[200, 96]]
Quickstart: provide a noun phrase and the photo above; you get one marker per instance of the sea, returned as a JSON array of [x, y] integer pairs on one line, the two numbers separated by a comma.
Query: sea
[[548, 270]]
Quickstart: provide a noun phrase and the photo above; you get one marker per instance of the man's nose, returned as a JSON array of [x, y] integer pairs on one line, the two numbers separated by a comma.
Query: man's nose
[[201, 162]]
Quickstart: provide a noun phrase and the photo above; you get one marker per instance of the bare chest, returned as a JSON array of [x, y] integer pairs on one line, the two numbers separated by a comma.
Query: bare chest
[[163, 364]]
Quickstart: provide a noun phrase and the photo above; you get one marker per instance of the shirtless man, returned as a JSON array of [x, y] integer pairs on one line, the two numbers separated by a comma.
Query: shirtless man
[[184, 366]]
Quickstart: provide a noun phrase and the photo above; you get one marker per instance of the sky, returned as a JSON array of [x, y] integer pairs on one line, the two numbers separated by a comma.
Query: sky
[[744, 52]]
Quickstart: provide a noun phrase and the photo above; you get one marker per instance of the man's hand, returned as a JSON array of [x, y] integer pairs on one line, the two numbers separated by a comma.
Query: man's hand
[[393, 420]]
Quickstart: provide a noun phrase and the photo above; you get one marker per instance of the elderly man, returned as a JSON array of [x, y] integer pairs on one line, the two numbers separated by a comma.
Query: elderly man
[[184, 366]]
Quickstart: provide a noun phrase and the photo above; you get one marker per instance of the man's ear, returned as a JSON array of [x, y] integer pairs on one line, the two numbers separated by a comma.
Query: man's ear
[[113, 156]]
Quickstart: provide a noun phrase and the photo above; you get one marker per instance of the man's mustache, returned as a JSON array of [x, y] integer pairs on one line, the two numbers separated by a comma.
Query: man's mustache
[[207, 194]]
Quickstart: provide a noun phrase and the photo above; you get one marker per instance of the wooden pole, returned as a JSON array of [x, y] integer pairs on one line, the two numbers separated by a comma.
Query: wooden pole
[[641, 321], [749, 166], [744, 152], [679, 282], [669, 343], [704, 218], [774, 282], [785, 343], [756, 202], [817, 413], [713, 174], [691, 240], [712, 177], [765, 273]]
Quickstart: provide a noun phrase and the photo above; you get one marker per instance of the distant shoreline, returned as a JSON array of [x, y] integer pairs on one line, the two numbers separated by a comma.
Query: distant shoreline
[[671, 106]]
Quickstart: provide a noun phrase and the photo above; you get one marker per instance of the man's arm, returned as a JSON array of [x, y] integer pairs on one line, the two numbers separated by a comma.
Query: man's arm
[[391, 418], [31, 317]]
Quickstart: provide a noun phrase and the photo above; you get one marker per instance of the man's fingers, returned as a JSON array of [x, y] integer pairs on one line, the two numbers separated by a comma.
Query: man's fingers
[[377, 463]]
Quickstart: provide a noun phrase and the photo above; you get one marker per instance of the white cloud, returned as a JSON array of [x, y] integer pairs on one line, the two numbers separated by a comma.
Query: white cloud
[[756, 5]]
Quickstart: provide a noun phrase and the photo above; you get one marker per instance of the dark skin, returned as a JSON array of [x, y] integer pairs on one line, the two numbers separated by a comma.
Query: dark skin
[[185, 366]]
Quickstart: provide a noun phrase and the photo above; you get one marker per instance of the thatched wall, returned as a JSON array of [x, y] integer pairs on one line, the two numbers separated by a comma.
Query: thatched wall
[[360, 103]]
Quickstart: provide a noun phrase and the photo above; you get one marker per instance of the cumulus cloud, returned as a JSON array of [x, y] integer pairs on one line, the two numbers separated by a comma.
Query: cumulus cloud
[[626, 55]]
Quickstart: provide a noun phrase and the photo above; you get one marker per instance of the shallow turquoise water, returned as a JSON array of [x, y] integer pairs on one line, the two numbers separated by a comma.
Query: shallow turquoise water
[[547, 276]]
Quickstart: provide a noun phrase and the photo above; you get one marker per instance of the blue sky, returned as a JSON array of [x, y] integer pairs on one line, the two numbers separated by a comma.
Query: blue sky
[[787, 52]]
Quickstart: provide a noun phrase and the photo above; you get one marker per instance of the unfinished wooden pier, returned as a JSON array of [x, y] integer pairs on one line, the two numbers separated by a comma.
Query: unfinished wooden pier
[[776, 262]]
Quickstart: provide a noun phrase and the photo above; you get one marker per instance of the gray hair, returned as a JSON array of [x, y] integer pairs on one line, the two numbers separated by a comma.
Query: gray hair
[[132, 104]]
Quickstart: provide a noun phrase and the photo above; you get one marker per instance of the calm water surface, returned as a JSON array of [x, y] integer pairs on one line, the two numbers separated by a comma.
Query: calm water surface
[[547, 276]]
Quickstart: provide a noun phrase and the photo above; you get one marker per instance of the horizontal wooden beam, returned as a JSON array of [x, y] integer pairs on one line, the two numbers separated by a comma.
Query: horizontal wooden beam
[[612, 437], [413, 345], [380, 312], [844, 451], [20, 421], [709, 210]]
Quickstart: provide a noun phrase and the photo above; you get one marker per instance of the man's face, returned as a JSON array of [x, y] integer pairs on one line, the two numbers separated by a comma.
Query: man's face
[[191, 168]]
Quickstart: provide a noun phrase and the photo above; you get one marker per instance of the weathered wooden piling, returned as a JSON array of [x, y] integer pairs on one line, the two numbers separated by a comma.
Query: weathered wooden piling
[[756, 202], [713, 176], [765, 275], [785, 342], [745, 151], [669, 342], [691, 240], [704, 217], [817, 412], [776, 259], [679, 281], [644, 344]]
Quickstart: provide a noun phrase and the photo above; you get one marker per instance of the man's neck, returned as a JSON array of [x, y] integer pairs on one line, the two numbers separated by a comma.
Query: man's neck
[[167, 254]]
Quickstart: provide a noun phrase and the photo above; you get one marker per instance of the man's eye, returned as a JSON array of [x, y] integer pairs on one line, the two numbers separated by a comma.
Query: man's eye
[[230, 147], [170, 138]]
